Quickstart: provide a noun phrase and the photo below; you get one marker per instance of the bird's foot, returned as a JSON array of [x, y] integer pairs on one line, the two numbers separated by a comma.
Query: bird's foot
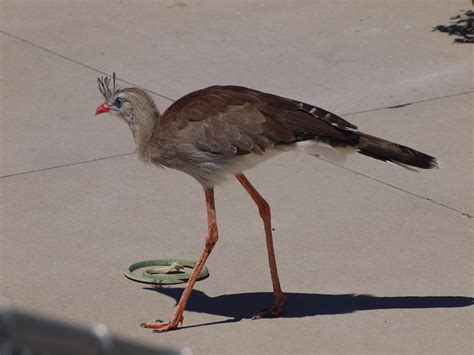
[[273, 312], [160, 327]]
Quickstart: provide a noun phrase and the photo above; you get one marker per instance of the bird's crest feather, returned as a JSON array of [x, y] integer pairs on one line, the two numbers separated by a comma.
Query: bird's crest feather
[[104, 87]]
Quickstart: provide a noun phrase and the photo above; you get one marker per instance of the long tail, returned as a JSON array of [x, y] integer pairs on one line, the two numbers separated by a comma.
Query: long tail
[[335, 137], [382, 149]]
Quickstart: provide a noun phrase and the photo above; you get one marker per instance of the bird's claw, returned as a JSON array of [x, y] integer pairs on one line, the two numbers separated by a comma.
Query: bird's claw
[[160, 327], [273, 312]]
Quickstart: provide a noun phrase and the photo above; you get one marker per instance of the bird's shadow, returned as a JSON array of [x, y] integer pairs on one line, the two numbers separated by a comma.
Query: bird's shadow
[[243, 305], [461, 27]]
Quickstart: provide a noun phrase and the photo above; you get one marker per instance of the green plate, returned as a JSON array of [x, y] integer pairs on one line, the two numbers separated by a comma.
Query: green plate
[[172, 278]]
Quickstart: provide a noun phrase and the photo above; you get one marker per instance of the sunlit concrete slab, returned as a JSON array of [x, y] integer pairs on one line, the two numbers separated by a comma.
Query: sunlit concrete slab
[[347, 56], [374, 258], [69, 233], [442, 128], [47, 112]]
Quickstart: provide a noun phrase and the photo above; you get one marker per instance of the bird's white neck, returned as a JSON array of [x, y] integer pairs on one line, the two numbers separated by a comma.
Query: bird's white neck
[[142, 125]]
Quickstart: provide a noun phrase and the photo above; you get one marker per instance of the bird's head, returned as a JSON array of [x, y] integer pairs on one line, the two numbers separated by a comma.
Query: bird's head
[[131, 104]]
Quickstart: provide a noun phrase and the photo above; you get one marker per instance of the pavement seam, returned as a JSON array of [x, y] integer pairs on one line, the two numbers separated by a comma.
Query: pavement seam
[[410, 103], [173, 100], [81, 64], [66, 165], [464, 214], [471, 90]]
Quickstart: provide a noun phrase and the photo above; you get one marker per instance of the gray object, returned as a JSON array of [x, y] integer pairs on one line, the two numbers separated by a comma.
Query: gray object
[[23, 333]]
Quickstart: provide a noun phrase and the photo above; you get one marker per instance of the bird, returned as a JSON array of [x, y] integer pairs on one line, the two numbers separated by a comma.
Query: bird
[[216, 133]]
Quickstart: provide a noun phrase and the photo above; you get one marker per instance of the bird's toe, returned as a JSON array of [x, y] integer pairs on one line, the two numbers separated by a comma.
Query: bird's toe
[[273, 312], [160, 327]]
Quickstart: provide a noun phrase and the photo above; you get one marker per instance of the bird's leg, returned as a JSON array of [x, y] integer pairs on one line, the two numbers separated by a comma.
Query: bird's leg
[[210, 241], [264, 209]]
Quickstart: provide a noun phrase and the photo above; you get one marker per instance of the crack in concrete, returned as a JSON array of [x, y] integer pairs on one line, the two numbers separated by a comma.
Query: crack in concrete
[[81, 64], [464, 214], [469, 91], [66, 165]]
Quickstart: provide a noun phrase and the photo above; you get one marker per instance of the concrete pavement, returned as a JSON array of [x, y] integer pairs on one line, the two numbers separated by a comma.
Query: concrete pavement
[[77, 207]]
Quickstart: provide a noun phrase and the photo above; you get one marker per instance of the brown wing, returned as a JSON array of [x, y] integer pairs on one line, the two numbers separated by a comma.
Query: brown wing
[[231, 120]]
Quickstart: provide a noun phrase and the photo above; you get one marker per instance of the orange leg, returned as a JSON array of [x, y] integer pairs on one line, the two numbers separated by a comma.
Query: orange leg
[[210, 241], [264, 209]]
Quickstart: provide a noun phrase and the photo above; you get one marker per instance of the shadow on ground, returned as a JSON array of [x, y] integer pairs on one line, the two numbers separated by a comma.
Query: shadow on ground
[[243, 305], [461, 26]]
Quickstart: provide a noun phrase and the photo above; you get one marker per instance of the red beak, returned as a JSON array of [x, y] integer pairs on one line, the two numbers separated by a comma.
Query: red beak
[[102, 108]]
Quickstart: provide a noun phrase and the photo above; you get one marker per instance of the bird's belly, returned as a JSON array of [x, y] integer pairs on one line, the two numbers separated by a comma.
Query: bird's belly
[[240, 163], [248, 161], [212, 169], [228, 167]]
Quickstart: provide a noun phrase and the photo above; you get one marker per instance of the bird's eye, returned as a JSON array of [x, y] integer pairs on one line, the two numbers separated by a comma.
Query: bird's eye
[[118, 102]]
